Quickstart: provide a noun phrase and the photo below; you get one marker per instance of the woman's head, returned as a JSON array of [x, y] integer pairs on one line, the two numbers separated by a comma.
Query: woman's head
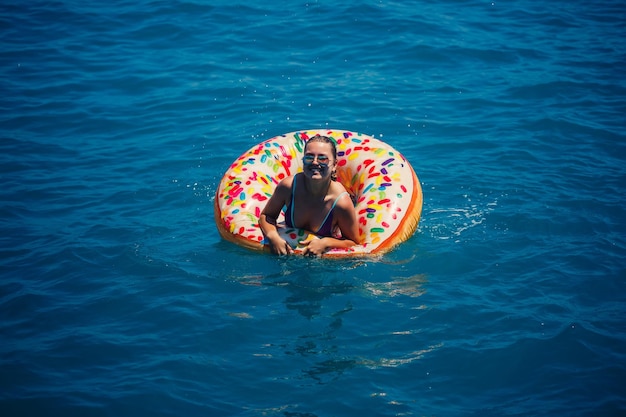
[[323, 139], [323, 150]]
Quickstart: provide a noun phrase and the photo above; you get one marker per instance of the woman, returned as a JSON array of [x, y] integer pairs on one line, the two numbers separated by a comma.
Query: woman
[[315, 201]]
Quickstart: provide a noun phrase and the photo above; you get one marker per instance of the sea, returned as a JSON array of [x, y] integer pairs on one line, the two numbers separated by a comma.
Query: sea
[[118, 297]]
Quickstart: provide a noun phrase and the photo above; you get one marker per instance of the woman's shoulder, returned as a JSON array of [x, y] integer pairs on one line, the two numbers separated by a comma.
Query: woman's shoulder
[[341, 195], [287, 181], [283, 188], [337, 188]]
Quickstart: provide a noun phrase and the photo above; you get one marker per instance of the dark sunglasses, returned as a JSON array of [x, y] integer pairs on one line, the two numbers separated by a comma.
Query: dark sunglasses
[[322, 160]]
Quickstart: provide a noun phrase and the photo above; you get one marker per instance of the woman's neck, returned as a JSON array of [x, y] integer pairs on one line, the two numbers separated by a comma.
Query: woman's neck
[[317, 189]]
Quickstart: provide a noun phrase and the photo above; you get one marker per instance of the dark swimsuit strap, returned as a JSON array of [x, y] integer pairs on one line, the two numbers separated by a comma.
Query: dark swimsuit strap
[[330, 211]]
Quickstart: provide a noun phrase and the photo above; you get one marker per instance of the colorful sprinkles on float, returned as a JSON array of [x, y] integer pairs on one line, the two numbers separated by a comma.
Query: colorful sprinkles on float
[[383, 185]]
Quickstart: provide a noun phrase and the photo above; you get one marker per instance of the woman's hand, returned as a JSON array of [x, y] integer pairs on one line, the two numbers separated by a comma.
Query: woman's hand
[[279, 246], [314, 247]]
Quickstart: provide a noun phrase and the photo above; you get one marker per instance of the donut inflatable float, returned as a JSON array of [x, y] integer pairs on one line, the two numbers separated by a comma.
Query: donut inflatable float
[[383, 185]]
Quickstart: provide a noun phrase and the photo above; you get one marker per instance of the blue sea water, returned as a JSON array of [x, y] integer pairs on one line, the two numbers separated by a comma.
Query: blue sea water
[[119, 298]]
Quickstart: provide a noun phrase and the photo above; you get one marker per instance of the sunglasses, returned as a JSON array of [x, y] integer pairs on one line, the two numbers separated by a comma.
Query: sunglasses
[[322, 160]]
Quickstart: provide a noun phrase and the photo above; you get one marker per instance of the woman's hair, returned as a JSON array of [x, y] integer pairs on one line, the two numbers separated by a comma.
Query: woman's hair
[[333, 147], [324, 139]]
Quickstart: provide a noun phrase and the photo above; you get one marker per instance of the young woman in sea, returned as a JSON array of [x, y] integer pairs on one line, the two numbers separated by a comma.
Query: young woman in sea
[[315, 201]]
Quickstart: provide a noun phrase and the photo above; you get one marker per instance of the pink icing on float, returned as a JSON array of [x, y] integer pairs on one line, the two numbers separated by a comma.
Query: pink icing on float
[[386, 191]]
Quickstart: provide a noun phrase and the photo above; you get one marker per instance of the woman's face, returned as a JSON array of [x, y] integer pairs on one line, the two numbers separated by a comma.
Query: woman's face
[[318, 160]]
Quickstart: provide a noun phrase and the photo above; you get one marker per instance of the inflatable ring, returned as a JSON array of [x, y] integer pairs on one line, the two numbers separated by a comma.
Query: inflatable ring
[[386, 191]]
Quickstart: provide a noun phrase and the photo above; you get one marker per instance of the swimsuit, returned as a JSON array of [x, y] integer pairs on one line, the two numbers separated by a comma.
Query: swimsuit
[[326, 227]]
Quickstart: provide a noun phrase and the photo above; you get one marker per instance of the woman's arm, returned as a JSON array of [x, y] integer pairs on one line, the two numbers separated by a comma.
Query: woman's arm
[[267, 220]]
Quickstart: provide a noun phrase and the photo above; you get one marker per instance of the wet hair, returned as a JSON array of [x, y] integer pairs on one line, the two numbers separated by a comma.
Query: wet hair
[[333, 146]]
